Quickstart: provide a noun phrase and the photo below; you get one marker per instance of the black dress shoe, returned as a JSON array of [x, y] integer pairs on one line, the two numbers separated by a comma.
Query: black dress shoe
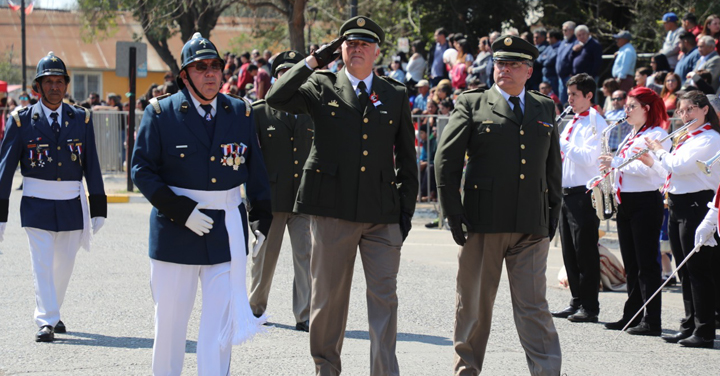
[[676, 337], [303, 326], [618, 325], [569, 310], [45, 334], [60, 327], [695, 341], [583, 316], [645, 329]]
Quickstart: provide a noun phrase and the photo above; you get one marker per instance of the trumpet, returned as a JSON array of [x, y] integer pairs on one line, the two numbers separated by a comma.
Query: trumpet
[[706, 166], [678, 132], [562, 114]]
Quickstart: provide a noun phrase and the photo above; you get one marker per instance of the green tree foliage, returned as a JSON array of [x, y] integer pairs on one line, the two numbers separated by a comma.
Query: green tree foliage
[[160, 20], [8, 72]]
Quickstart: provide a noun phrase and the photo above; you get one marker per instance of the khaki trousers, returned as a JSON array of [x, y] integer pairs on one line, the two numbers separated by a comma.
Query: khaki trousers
[[263, 265], [480, 266], [334, 246]]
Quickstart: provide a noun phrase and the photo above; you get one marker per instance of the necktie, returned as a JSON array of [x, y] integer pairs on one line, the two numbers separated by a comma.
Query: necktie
[[517, 109], [55, 125], [362, 96], [208, 111]]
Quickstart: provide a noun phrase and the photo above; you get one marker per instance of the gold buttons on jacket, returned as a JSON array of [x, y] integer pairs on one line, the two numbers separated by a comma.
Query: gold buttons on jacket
[[487, 129], [365, 120], [296, 162], [475, 186], [59, 179], [213, 180], [390, 121], [292, 138], [522, 132], [58, 148], [522, 161], [365, 153], [294, 149], [296, 175], [522, 146], [59, 164], [522, 176], [365, 137], [332, 113], [212, 159], [318, 170], [182, 155], [362, 168], [270, 135]]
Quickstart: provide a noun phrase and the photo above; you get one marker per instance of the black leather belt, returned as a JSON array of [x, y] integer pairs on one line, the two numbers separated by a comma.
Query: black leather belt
[[574, 190]]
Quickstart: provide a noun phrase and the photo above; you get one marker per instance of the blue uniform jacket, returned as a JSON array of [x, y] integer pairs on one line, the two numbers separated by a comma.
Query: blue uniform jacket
[[564, 62], [173, 149], [53, 161]]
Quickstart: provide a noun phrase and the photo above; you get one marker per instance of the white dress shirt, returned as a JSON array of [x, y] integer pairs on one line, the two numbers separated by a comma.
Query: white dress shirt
[[637, 177], [686, 176], [200, 110], [507, 98], [48, 111], [354, 81], [582, 150]]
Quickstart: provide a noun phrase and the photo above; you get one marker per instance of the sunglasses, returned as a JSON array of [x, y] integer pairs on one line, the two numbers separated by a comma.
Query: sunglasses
[[202, 67], [617, 99]]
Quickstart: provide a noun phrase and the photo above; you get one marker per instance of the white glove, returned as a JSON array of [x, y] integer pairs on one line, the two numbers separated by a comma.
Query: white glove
[[198, 222], [258, 242], [706, 229], [2, 230], [97, 224]]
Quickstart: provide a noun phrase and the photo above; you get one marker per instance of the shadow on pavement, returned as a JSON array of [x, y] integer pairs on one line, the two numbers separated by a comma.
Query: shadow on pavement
[[405, 337], [92, 339]]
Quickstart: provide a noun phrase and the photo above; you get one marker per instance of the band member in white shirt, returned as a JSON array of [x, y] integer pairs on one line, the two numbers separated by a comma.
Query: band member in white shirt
[[640, 210]]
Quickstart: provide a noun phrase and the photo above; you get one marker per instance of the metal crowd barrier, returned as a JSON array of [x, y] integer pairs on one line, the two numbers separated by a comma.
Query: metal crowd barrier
[[110, 137]]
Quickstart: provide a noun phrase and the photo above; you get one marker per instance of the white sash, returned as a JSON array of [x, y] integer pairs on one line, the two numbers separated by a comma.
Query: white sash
[[243, 325], [61, 190]]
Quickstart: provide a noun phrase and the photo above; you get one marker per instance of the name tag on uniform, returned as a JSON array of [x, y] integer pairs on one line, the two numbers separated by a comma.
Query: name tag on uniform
[[487, 122], [383, 112], [181, 147]]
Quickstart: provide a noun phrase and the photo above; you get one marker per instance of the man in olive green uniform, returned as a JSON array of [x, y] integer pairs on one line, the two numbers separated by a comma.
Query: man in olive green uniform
[[285, 140], [510, 208], [359, 186]]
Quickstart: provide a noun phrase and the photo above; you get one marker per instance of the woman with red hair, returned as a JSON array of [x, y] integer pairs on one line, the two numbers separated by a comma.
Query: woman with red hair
[[640, 211]]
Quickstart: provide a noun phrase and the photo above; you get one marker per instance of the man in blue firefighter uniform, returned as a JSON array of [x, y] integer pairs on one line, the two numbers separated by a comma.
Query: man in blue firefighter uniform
[[194, 150], [55, 145]]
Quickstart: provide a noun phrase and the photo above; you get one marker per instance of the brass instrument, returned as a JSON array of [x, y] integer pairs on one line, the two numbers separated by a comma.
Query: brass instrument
[[682, 131], [603, 199], [706, 166]]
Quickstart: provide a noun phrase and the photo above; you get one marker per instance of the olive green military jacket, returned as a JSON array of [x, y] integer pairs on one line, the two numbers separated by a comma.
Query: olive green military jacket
[[513, 174], [362, 165], [285, 140]]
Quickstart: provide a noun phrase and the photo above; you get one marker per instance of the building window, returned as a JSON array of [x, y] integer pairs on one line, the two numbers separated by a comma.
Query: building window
[[85, 83]]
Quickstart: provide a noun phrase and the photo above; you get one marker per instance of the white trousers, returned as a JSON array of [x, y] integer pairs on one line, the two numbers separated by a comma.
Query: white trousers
[[174, 287], [53, 258]]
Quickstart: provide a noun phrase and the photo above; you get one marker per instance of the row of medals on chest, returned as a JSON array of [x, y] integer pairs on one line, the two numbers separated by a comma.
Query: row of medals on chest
[[39, 154], [233, 155]]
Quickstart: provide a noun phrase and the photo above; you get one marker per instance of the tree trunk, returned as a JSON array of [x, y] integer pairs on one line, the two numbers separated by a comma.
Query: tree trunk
[[296, 25]]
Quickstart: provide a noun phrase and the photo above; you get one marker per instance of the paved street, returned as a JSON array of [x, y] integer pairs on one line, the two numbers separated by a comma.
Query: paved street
[[109, 315]]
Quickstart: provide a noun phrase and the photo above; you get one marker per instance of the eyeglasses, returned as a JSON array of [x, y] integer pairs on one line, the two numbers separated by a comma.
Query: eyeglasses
[[630, 107], [509, 64], [686, 111], [617, 99], [202, 67], [24, 98]]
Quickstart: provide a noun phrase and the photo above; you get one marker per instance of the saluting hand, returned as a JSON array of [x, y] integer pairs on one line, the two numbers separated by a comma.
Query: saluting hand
[[198, 222], [326, 54], [455, 222]]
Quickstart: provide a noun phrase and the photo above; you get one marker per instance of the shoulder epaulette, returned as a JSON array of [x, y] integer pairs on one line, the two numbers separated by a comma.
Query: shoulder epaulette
[[258, 103], [392, 81], [324, 71], [155, 102], [88, 113], [478, 90], [16, 114], [539, 93], [248, 105]]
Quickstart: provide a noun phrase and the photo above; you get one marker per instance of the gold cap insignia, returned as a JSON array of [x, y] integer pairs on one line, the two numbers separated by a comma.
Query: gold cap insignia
[[361, 22], [54, 59], [508, 41], [291, 55]]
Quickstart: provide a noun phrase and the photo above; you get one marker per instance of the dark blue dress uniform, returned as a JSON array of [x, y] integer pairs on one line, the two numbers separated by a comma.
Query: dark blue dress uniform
[[30, 141], [174, 149]]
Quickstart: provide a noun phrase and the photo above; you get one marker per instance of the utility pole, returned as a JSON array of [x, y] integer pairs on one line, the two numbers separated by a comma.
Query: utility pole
[[22, 26]]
